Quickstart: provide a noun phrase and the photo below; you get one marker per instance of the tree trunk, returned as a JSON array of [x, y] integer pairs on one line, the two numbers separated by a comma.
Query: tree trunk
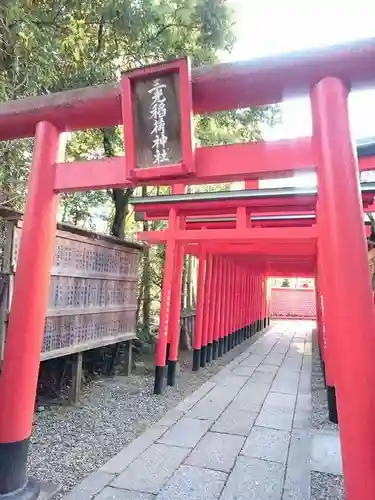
[[121, 200], [120, 196]]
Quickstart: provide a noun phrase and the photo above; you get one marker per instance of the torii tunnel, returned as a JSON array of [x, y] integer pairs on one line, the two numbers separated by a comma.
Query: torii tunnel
[[240, 238]]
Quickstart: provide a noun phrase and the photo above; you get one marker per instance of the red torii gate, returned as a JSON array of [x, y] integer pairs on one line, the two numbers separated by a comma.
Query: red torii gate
[[326, 75]]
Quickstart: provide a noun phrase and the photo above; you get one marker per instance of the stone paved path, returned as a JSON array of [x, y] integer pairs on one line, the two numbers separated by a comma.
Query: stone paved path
[[244, 435]]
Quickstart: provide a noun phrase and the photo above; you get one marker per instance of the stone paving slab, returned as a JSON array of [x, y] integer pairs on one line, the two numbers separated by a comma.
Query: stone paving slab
[[110, 493], [254, 479], [152, 469], [187, 432], [216, 451], [297, 480], [251, 397], [120, 461], [212, 405], [280, 419], [193, 483], [234, 421], [267, 444], [244, 435], [90, 486], [326, 453], [231, 380]]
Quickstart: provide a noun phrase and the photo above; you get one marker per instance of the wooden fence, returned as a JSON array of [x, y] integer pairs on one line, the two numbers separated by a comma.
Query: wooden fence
[[93, 293]]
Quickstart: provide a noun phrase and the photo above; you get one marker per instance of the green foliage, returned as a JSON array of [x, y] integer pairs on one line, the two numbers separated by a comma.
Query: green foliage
[[230, 127], [53, 45]]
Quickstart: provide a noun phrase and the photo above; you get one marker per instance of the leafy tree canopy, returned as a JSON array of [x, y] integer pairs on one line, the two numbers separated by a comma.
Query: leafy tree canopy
[[52, 45]]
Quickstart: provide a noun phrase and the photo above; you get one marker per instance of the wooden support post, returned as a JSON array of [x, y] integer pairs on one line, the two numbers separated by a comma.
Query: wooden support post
[[76, 378], [128, 358]]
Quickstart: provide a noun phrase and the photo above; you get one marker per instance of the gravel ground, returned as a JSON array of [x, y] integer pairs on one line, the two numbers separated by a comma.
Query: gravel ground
[[324, 486], [69, 443]]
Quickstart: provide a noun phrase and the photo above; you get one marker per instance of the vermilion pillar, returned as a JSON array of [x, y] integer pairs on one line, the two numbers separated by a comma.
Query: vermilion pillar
[[174, 318], [198, 330], [229, 327], [251, 301], [354, 336], [247, 300], [18, 380], [264, 302], [218, 311], [208, 298], [257, 301], [321, 328], [241, 325], [161, 347], [327, 295], [327, 309], [235, 303]]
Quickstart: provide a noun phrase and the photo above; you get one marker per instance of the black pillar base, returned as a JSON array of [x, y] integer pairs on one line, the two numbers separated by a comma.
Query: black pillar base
[[14, 484], [209, 353], [30, 491], [221, 347], [203, 356], [171, 374], [215, 349], [196, 359], [231, 340], [332, 406], [159, 379], [226, 344], [167, 353]]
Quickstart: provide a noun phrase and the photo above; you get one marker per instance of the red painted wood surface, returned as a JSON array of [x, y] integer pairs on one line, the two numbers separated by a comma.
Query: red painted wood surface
[[219, 87]]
